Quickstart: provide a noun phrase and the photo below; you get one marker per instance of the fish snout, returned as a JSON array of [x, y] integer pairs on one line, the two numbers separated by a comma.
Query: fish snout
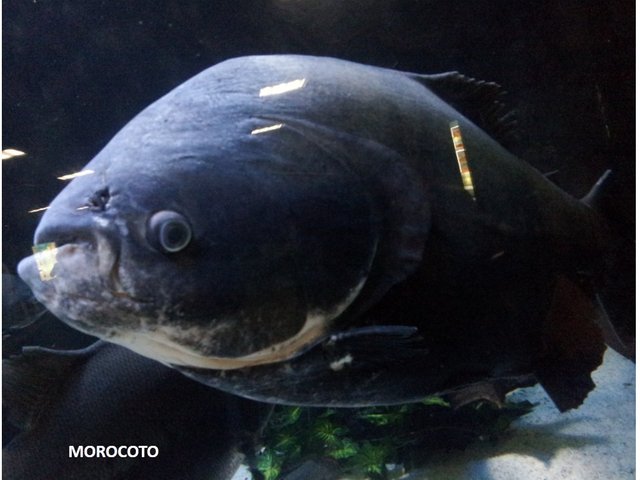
[[61, 228], [28, 270], [96, 236]]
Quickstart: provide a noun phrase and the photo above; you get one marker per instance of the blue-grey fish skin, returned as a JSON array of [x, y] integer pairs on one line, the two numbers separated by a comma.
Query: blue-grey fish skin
[[337, 204], [106, 396]]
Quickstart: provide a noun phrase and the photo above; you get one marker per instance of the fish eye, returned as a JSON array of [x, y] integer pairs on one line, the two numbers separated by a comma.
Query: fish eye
[[168, 231]]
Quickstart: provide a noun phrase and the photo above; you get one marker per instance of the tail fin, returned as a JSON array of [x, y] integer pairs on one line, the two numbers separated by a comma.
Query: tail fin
[[613, 288]]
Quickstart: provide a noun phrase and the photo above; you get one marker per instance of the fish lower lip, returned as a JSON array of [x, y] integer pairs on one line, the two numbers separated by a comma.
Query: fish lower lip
[[24, 269], [46, 290], [29, 273], [108, 262]]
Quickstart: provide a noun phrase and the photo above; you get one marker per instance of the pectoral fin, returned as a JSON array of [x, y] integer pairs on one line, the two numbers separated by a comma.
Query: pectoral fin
[[377, 365]]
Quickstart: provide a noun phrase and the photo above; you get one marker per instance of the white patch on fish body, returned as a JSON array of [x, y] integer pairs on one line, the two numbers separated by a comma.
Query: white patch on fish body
[[123, 229], [102, 222], [163, 344], [339, 364]]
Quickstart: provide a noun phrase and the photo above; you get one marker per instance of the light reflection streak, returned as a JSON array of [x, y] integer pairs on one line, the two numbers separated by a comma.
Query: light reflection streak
[[281, 88], [71, 176], [35, 210], [270, 128], [461, 156], [45, 257], [8, 153]]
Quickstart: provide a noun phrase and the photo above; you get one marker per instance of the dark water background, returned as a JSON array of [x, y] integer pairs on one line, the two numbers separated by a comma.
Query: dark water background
[[74, 72]]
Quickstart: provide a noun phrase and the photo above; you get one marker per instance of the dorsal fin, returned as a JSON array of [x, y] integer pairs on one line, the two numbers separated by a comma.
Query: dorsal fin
[[478, 100], [33, 381]]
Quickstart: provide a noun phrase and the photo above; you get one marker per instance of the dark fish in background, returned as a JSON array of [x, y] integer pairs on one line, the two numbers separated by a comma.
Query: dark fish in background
[[106, 395], [18, 302], [313, 231], [25, 321]]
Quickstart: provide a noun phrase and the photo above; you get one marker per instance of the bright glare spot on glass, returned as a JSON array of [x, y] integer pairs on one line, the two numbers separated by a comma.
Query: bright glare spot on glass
[[267, 129], [8, 153], [35, 210], [45, 256], [461, 156], [282, 87], [76, 174]]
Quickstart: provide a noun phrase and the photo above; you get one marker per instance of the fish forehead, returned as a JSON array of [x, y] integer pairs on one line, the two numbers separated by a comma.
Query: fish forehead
[[207, 123], [208, 114]]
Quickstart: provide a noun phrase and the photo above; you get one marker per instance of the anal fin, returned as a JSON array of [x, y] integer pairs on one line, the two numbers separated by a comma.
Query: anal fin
[[572, 346]]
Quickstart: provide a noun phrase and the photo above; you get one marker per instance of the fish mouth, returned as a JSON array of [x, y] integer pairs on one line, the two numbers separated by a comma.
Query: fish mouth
[[80, 278], [72, 260], [109, 269]]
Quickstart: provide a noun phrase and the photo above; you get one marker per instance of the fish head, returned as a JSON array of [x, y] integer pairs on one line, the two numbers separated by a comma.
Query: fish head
[[194, 244], [117, 256], [235, 222]]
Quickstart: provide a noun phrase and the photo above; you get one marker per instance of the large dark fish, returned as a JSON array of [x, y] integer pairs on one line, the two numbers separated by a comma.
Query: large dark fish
[[106, 395], [314, 231]]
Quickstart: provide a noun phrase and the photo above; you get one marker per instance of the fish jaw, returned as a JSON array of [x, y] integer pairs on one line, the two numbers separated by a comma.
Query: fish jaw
[[84, 290], [84, 294], [82, 285], [162, 344]]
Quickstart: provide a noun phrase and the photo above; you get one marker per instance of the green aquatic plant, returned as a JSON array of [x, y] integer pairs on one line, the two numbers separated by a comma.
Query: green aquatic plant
[[383, 416], [328, 432], [284, 417], [288, 445], [363, 441], [344, 448], [435, 400], [269, 464], [372, 457]]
